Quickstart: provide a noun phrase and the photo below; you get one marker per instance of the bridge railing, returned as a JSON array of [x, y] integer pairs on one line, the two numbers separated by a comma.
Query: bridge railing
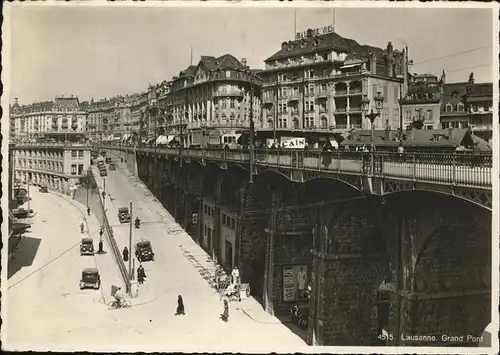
[[471, 170]]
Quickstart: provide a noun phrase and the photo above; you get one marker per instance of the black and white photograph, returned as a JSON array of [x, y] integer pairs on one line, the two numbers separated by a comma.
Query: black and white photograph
[[250, 177]]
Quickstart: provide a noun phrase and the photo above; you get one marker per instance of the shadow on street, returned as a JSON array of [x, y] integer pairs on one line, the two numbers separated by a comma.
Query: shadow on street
[[24, 255]]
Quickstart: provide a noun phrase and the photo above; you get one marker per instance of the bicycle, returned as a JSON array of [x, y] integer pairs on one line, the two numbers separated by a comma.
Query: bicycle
[[114, 304]]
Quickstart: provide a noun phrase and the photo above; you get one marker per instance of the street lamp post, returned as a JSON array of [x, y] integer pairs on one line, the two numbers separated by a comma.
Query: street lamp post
[[254, 80], [365, 107]]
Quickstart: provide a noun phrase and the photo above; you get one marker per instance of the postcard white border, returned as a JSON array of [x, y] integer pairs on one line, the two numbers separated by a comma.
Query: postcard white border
[[273, 4]]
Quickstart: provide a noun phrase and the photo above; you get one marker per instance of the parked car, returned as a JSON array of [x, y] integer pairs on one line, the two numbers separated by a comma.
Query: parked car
[[90, 279], [20, 213], [103, 172], [123, 215], [112, 166], [108, 160], [87, 246], [44, 189], [144, 251]]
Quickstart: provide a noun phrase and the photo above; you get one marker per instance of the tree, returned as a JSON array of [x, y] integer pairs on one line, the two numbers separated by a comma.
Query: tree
[[417, 124]]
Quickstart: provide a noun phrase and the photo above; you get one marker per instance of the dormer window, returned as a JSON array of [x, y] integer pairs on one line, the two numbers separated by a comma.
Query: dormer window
[[460, 107], [449, 107]]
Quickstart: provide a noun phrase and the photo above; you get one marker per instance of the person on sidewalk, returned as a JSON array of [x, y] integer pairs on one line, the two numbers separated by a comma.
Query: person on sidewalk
[[88, 211], [82, 228], [180, 306], [225, 313], [125, 254], [141, 274], [101, 248]]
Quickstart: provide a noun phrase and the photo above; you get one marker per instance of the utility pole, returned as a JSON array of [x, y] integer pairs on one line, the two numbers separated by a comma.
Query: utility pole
[[251, 129], [130, 249], [276, 112], [104, 195], [401, 110]]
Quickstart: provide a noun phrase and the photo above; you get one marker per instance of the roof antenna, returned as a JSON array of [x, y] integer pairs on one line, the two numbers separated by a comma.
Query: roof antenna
[[294, 23]]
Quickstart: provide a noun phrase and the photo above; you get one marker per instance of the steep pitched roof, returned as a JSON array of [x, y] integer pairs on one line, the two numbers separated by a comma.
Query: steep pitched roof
[[449, 89], [480, 89], [320, 43]]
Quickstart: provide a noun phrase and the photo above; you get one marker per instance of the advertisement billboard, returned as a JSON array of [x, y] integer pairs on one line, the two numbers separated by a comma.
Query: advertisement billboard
[[293, 142], [295, 281]]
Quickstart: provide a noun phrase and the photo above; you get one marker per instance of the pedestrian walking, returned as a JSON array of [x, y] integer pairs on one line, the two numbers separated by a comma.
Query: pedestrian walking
[[88, 211], [125, 254], [141, 274], [180, 306], [101, 250], [82, 228], [225, 313]]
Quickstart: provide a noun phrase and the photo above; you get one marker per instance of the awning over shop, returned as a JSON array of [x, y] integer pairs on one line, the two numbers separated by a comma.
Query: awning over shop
[[162, 140], [170, 138], [350, 66]]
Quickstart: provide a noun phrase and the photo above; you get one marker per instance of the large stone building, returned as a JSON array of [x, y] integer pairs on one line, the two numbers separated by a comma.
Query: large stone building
[[55, 165], [468, 104], [421, 104], [59, 118], [316, 83], [109, 119], [211, 99]]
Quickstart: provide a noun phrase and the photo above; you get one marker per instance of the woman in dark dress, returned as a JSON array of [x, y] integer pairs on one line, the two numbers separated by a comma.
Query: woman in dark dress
[[225, 314], [180, 306]]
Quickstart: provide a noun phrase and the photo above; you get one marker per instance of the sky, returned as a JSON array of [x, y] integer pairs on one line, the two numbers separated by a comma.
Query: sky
[[98, 52]]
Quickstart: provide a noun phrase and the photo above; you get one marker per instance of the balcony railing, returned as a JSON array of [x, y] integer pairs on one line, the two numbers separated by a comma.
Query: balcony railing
[[228, 93], [466, 170]]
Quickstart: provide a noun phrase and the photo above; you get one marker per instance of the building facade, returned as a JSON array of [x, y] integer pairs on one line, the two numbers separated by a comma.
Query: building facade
[[316, 83], [422, 103], [59, 118], [213, 98], [55, 165]]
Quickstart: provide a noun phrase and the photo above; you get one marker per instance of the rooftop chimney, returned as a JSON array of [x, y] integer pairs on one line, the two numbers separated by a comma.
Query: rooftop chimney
[[443, 78], [284, 45], [244, 62], [16, 101], [373, 63]]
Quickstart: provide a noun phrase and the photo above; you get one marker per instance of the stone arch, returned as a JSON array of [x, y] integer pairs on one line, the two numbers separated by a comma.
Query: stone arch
[[476, 202], [336, 181], [266, 174]]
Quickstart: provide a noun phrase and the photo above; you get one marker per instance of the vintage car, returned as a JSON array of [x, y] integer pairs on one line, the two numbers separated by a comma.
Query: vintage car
[[90, 279], [123, 215], [87, 246], [112, 166], [20, 213], [108, 160], [103, 172], [44, 189], [144, 251]]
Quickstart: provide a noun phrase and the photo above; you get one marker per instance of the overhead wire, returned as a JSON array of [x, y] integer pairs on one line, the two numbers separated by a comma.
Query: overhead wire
[[47, 263], [453, 54]]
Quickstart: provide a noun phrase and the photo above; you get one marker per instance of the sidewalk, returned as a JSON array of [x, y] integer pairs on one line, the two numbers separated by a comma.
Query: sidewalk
[[198, 257]]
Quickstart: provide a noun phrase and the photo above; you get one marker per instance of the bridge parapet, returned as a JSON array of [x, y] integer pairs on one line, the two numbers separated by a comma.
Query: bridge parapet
[[378, 173]]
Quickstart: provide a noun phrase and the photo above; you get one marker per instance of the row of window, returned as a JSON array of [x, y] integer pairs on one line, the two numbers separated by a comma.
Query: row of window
[[39, 154], [77, 154], [460, 107], [42, 165], [226, 219]]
